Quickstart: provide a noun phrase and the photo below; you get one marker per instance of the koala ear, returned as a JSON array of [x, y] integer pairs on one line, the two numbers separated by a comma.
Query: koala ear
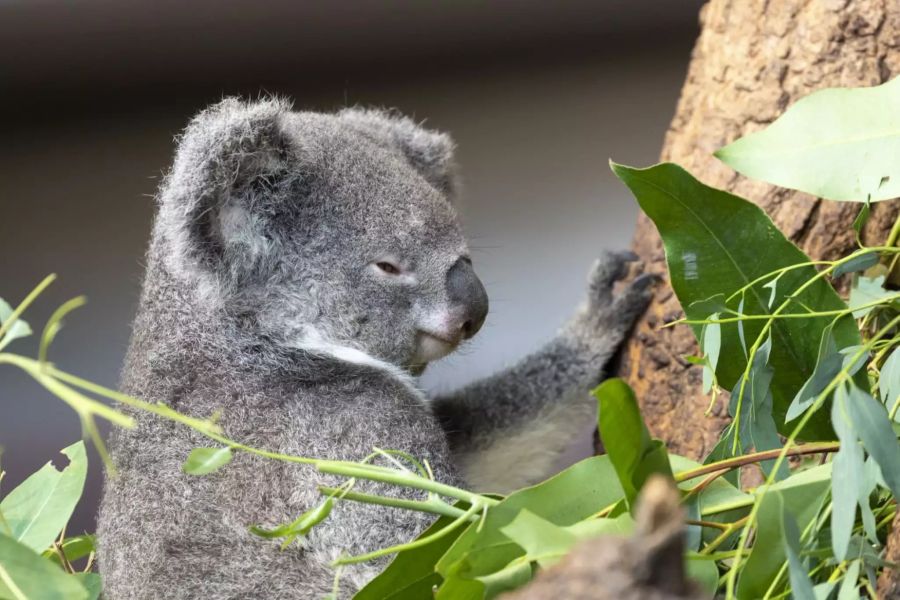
[[215, 201], [429, 151]]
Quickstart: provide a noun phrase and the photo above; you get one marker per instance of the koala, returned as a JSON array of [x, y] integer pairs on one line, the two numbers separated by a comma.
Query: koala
[[303, 270]]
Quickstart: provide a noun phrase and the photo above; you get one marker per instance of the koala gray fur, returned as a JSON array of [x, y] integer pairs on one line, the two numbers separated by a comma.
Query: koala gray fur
[[271, 297]]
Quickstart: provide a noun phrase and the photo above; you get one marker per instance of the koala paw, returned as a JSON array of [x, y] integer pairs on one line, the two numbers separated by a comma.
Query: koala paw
[[621, 309]]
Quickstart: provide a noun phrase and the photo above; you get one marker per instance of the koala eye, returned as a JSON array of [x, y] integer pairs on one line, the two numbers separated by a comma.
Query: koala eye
[[388, 267]]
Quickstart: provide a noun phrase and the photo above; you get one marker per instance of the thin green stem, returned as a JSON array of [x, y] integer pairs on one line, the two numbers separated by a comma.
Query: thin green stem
[[755, 457], [894, 234], [778, 273], [462, 519], [402, 478], [430, 506], [808, 315], [5, 326], [722, 537]]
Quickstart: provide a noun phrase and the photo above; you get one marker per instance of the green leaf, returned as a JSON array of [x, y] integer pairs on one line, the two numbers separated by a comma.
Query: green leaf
[[711, 344], [717, 243], [866, 290], [38, 509], [889, 380], [569, 497], [458, 589], [626, 439], [858, 223], [412, 575], [25, 575], [871, 424], [828, 365], [203, 461], [840, 144], [620, 525], [801, 586], [849, 585], [542, 541], [300, 527], [704, 572], [74, 548], [91, 583], [757, 427], [848, 476], [801, 496], [18, 329], [513, 576], [858, 263]]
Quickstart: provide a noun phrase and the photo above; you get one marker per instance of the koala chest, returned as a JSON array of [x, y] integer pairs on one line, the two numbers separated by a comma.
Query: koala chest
[[348, 422]]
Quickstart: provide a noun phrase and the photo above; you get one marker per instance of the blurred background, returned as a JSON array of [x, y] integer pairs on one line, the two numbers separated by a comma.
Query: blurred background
[[538, 95]]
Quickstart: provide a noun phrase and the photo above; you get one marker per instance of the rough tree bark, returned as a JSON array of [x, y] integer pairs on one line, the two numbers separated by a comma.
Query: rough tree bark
[[752, 60]]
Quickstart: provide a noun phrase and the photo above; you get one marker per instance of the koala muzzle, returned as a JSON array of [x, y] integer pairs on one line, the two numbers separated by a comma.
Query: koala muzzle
[[468, 298]]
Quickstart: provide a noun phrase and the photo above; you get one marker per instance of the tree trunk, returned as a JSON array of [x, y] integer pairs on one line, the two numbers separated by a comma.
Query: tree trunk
[[753, 59]]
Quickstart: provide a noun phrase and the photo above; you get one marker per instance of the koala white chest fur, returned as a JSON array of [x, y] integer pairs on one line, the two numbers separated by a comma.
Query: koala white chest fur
[[303, 269]]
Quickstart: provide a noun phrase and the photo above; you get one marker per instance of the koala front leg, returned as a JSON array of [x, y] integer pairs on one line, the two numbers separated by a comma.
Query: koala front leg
[[509, 430]]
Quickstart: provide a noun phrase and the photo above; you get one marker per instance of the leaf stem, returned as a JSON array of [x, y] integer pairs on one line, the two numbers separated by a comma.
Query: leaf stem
[[430, 506], [4, 327], [754, 457], [464, 518]]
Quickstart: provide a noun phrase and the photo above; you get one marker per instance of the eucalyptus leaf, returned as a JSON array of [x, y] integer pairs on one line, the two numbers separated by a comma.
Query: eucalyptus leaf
[[848, 476], [203, 461], [18, 329], [860, 221], [871, 424], [542, 541], [74, 548], [704, 572], [626, 438], [711, 344], [38, 509], [849, 584], [858, 263], [828, 365], [25, 575], [801, 586], [412, 575], [754, 402], [301, 526], [717, 243], [889, 380], [565, 499], [801, 496], [823, 590], [456, 588], [840, 144], [514, 575], [867, 290], [91, 583]]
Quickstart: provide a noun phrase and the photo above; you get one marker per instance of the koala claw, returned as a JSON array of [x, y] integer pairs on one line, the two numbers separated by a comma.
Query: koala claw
[[608, 269], [644, 281], [618, 312]]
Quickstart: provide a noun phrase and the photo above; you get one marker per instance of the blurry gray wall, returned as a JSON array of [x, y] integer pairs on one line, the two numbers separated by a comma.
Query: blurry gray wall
[[538, 96]]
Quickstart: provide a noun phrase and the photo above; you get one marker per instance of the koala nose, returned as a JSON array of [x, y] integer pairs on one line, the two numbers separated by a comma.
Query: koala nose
[[468, 297]]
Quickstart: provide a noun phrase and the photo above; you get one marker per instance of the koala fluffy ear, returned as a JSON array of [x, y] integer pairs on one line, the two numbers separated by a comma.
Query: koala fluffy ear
[[429, 151], [214, 202]]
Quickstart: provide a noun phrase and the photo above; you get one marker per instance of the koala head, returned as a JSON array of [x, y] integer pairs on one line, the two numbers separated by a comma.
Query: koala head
[[323, 231]]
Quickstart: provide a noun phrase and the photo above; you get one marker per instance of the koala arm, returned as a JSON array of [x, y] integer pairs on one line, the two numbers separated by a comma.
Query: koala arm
[[509, 430]]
